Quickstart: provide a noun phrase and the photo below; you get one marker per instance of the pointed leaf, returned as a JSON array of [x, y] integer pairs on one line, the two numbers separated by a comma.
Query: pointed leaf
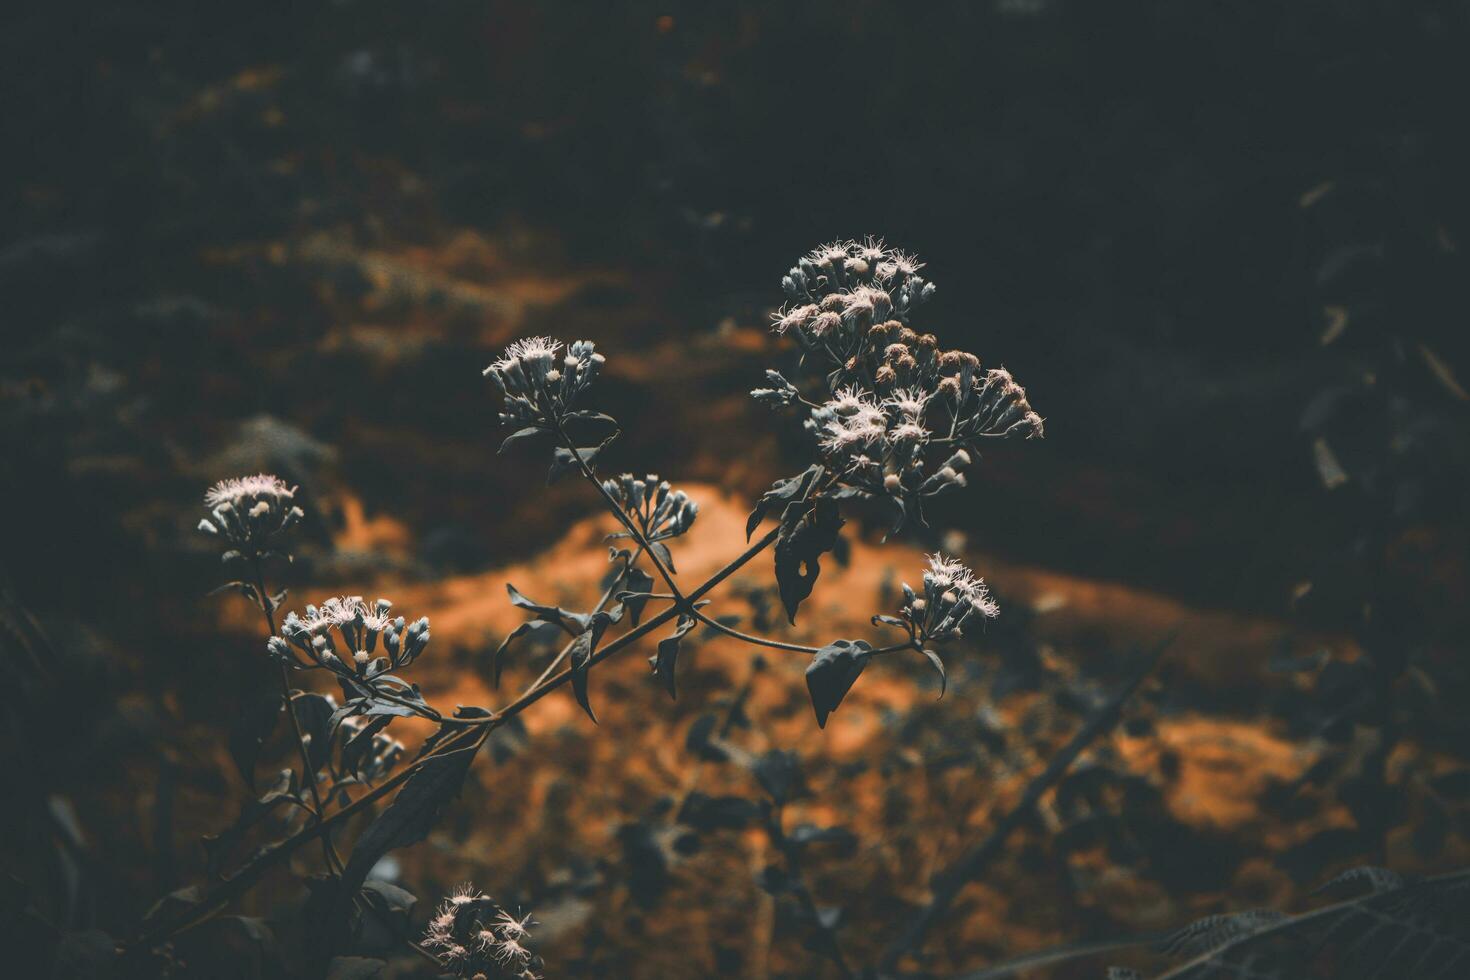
[[833, 671], [668, 653], [411, 815], [939, 666]]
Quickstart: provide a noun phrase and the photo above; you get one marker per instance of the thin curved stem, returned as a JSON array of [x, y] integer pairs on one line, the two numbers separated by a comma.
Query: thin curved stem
[[638, 536], [308, 775], [471, 737], [601, 604]]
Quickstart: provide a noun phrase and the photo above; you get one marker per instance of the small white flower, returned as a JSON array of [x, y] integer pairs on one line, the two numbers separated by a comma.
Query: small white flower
[[909, 401], [908, 433], [240, 490]]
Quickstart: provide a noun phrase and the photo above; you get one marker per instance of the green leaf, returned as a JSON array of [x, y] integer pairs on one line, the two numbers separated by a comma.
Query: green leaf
[[803, 540], [832, 672], [411, 815]]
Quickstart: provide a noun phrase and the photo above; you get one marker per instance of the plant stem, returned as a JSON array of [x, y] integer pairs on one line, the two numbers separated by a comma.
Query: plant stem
[[473, 733], [308, 775], [618, 512]]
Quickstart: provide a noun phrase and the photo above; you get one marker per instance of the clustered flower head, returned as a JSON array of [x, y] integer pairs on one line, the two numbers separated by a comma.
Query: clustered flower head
[[535, 384], [902, 416], [357, 626], [381, 754], [840, 290], [953, 595], [660, 511], [249, 512], [474, 936]]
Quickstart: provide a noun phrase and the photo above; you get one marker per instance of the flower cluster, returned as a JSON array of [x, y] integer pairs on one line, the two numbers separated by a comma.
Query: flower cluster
[[535, 386], [840, 290], [358, 626], [901, 416], [474, 936], [952, 596], [249, 512], [658, 512], [377, 758]]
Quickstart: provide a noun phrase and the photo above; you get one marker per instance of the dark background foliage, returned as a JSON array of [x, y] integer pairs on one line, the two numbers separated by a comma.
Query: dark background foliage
[[287, 236]]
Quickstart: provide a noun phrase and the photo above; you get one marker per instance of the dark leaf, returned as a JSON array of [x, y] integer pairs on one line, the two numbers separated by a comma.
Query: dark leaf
[[314, 715], [411, 815], [833, 671], [249, 731], [798, 549], [562, 460], [779, 773], [173, 904], [637, 583], [668, 653], [573, 623], [699, 738], [218, 846], [581, 671], [781, 492], [356, 748], [451, 726], [662, 550], [384, 923], [529, 432], [497, 659], [939, 666]]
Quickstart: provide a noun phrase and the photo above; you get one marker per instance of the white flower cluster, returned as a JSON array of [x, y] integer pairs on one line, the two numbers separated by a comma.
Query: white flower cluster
[[840, 290], [896, 401], [660, 511], [359, 627], [474, 936], [535, 386], [952, 596], [249, 512]]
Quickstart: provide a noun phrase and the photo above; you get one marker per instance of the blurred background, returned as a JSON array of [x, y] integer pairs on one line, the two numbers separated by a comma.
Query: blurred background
[[1222, 245]]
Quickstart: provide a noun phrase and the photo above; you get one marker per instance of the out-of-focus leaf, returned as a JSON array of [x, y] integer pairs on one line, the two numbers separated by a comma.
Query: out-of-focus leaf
[[779, 773]]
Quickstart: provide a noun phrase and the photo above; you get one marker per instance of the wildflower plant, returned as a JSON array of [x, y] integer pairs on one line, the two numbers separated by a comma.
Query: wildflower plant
[[892, 418]]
